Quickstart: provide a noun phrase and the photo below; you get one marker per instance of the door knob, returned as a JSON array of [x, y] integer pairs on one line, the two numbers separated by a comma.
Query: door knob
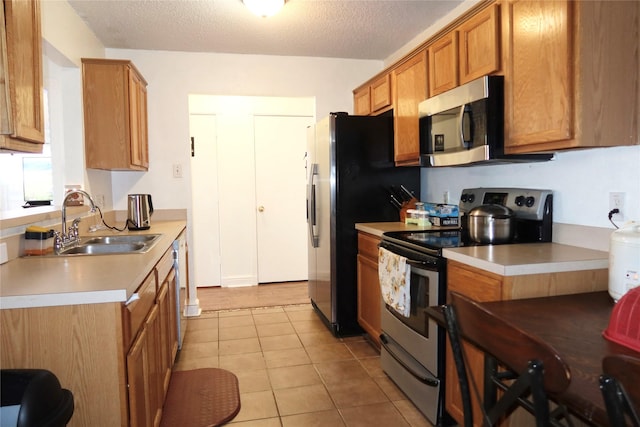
[[260, 208]]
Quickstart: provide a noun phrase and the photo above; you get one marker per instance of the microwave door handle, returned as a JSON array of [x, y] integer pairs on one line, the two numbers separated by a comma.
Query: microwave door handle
[[466, 126]]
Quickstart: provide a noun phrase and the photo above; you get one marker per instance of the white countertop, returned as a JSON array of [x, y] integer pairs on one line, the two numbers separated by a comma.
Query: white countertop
[[92, 279], [529, 258], [511, 260]]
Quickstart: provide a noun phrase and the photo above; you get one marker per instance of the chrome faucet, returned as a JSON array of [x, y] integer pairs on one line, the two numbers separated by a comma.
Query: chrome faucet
[[72, 237]]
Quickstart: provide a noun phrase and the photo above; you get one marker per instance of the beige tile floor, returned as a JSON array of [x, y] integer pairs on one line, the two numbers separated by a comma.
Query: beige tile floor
[[293, 372]]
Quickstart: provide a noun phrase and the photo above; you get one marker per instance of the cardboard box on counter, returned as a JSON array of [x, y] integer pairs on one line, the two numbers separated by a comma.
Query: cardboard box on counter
[[442, 214]]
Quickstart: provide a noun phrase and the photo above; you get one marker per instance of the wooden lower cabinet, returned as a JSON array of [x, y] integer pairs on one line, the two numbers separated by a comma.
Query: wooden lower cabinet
[[483, 286], [369, 295], [116, 359]]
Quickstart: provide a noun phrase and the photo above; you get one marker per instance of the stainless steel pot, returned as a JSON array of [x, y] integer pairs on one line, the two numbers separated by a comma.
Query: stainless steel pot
[[491, 224]]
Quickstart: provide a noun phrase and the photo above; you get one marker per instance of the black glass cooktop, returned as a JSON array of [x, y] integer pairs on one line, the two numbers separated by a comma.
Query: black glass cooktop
[[429, 239]]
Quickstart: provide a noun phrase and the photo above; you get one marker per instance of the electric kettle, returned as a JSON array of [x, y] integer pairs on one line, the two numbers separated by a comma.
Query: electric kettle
[[140, 209]]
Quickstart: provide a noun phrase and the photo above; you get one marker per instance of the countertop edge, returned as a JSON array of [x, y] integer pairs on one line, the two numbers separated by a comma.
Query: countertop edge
[[117, 294], [525, 269]]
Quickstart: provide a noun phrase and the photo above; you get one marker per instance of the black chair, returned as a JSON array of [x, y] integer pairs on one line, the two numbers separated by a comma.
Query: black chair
[[620, 385], [36, 397], [529, 368]]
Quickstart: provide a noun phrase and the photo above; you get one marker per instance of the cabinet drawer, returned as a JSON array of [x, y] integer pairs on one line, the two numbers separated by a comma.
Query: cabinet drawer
[[135, 312], [368, 245], [165, 265]]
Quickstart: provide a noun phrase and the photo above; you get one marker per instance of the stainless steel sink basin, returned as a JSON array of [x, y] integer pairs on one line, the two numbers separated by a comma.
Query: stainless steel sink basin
[[111, 245], [99, 249], [111, 240]]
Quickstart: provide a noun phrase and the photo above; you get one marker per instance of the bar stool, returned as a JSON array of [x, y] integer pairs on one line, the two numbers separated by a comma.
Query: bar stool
[[525, 358], [33, 398], [620, 386]]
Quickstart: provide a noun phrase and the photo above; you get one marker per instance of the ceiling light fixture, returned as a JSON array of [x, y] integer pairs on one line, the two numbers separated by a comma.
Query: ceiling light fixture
[[264, 8]]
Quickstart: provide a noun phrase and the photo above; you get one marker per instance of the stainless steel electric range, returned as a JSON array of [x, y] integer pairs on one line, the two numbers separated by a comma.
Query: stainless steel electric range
[[412, 351]]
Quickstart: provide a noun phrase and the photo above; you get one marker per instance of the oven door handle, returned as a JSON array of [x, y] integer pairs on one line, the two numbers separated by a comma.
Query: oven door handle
[[430, 381]]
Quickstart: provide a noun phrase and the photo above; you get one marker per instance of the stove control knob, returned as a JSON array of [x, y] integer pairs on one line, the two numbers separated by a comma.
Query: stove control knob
[[471, 197], [519, 200], [463, 198], [530, 201]]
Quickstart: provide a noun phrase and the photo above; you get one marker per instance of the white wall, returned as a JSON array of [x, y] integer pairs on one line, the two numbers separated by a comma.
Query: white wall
[[172, 76], [581, 181]]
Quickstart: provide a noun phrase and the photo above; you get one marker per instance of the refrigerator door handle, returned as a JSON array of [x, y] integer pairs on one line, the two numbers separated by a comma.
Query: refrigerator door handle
[[313, 213]]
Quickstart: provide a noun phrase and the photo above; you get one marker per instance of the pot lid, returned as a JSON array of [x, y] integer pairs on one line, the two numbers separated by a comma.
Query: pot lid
[[493, 211]]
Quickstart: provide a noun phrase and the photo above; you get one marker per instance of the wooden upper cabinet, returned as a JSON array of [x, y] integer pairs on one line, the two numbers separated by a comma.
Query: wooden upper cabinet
[[479, 44], [443, 64], [409, 81], [539, 74], [469, 51], [115, 115], [381, 93], [374, 97], [570, 77], [362, 101], [22, 114]]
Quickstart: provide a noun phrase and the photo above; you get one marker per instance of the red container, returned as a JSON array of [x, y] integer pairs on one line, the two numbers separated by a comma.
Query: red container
[[624, 324]]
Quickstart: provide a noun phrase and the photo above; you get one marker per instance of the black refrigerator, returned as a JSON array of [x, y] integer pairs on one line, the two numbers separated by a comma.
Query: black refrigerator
[[350, 169]]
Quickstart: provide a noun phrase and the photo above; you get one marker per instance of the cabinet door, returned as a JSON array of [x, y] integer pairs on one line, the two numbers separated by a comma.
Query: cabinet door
[[168, 329], [138, 379], [24, 71], [115, 115], [410, 84], [381, 93], [480, 287], [369, 297], [539, 74], [362, 102], [138, 121], [479, 45], [156, 391], [443, 64]]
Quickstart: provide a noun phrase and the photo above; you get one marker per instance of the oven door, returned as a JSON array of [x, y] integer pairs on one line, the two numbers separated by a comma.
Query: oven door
[[417, 334], [412, 347]]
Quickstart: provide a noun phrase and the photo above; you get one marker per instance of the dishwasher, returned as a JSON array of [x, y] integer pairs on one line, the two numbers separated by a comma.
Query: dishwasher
[[180, 267]]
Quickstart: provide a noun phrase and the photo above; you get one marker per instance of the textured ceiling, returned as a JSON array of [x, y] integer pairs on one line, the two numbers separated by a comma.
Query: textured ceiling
[[361, 29]]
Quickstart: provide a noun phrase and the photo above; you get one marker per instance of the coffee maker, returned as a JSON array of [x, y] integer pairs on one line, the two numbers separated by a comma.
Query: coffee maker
[[140, 209]]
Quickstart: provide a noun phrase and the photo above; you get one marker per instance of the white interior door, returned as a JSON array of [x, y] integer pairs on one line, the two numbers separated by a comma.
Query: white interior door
[[229, 186], [280, 146], [204, 206]]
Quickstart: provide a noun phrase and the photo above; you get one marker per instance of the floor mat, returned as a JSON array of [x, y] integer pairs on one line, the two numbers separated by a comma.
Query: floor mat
[[201, 398]]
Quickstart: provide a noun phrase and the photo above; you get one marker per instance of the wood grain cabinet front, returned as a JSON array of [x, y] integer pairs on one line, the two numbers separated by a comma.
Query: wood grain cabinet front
[[369, 295], [149, 363], [115, 115], [115, 357], [409, 82], [571, 79], [469, 51], [482, 286], [21, 87], [373, 98]]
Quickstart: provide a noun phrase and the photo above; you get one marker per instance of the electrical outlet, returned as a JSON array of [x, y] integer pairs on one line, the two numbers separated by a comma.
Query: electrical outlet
[[177, 170], [616, 201]]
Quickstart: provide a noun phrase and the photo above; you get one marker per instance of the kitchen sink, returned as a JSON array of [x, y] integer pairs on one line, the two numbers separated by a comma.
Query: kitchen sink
[[111, 245], [114, 240]]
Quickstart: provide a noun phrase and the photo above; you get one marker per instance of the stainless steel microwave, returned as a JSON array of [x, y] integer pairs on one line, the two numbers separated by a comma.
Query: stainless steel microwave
[[465, 126]]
